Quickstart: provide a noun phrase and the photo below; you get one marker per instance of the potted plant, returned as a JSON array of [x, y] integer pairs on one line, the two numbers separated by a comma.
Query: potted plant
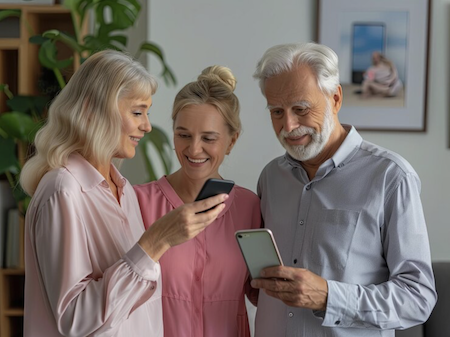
[[110, 19]]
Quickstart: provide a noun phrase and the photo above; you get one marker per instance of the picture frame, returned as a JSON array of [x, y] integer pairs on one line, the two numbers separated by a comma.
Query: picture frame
[[386, 95]]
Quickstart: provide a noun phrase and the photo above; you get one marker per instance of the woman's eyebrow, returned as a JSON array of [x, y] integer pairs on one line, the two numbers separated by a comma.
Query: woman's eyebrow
[[143, 106]]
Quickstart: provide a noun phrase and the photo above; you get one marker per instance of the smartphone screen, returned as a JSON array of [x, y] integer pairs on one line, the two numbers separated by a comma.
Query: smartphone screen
[[259, 250], [367, 37]]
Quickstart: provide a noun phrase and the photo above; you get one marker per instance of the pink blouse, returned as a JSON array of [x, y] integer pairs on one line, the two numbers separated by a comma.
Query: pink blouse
[[204, 279], [85, 273]]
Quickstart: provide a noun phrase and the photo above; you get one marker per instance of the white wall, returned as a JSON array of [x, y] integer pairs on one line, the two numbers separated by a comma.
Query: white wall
[[198, 33]]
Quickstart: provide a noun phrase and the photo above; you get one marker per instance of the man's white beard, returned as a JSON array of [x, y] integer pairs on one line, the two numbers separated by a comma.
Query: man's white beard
[[318, 140]]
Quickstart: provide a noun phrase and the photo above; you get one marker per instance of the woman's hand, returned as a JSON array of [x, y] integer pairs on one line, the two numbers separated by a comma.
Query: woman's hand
[[180, 225]]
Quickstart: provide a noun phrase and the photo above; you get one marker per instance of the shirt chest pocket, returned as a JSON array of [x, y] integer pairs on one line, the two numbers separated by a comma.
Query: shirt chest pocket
[[333, 236]]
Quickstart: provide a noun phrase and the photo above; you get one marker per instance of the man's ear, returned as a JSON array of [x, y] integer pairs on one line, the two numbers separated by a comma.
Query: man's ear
[[232, 142], [337, 99]]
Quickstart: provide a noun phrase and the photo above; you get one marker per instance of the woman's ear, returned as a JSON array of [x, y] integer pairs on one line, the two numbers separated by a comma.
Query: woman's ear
[[232, 142]]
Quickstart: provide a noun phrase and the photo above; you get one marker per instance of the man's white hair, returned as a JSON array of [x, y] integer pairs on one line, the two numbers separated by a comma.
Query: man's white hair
[[322, 60]]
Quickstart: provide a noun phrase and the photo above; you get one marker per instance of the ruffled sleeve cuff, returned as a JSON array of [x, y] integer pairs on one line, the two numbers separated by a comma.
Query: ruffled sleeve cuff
[[142, 264]]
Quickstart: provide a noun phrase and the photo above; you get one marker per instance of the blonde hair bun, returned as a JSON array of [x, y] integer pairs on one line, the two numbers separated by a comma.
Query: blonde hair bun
[[219, 74]]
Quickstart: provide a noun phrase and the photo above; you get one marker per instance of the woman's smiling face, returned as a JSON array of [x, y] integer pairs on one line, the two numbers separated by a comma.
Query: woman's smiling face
[[202, 139], [135, 124]]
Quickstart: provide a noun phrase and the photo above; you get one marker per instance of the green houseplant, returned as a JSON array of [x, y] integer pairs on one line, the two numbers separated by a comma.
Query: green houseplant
[[110, 19]]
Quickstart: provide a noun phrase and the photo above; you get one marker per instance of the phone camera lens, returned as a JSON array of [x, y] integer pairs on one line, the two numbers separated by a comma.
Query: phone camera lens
[[239, 236]]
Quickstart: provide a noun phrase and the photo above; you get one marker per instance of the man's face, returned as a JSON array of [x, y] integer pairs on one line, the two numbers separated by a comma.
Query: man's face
[[302, 116]]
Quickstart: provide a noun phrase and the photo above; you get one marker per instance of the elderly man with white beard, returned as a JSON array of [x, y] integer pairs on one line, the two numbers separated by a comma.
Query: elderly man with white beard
[[346, 214]]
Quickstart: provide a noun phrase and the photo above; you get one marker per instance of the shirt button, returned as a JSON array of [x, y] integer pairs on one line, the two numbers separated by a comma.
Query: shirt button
[[295, 261], [152, 287], [301, 222], [337, 322], [341, 165], [291, 314], [308, 187]]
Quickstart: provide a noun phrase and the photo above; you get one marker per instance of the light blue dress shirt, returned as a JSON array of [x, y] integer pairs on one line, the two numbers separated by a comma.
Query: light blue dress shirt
[[359, 224]]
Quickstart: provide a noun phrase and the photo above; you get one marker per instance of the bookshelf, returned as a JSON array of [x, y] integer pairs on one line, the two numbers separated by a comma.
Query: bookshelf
[[11, 302], [21, 70]]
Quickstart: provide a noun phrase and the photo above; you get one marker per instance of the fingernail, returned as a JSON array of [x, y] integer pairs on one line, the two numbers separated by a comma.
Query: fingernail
[[225, 196]]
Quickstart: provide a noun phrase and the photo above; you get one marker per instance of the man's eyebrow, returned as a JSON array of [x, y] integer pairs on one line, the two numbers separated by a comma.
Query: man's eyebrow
[[297, 103], [302, 103]]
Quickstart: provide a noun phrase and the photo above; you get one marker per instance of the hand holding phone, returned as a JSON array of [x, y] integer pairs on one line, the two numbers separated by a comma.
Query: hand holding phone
[[213, 187], [259, 250]]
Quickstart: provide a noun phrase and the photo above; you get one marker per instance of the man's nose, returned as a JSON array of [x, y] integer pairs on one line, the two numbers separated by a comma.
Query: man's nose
[[290, 121]]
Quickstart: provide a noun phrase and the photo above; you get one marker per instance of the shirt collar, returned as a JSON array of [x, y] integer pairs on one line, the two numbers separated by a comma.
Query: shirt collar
[[88, 176], [348, 147], [343, 154]]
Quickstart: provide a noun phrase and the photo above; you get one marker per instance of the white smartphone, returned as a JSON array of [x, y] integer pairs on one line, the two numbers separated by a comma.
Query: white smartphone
[[259, 250]]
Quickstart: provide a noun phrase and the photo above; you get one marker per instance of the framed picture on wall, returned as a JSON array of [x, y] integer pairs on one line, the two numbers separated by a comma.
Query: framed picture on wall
[[382, 47]]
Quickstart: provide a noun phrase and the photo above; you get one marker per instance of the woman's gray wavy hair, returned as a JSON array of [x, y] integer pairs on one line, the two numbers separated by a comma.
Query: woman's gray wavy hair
[[322, 60]]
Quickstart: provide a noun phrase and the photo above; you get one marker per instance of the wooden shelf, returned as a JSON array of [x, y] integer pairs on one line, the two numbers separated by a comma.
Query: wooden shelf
[[13, 271], [11, 301], [10, 44], [13, 312], [37, 9], [21, 70]]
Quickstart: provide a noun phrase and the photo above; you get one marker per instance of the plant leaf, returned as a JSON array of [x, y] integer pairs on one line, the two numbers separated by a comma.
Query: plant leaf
[[8, 13], [28, 104], [5, 88], [94, 44], [68, 40], [124, 13], [167, 74], [19, 125], [9, 162], [20, 195], [37, 39], [47, 56], [122, 39], [158, 138]]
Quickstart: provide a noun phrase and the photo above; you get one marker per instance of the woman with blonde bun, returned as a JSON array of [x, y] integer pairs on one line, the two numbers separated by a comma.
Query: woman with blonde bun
[[91, 269], [205, 280]]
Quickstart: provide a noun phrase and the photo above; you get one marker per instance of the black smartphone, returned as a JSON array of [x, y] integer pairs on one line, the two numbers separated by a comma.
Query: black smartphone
[[259, 250], [213, 187]]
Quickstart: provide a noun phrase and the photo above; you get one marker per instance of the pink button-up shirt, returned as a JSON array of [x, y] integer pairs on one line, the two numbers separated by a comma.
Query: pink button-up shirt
[[204, 279], [85, 273]]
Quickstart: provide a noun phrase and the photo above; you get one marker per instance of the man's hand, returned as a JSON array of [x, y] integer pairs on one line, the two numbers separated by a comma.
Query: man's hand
[[296, 287]]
